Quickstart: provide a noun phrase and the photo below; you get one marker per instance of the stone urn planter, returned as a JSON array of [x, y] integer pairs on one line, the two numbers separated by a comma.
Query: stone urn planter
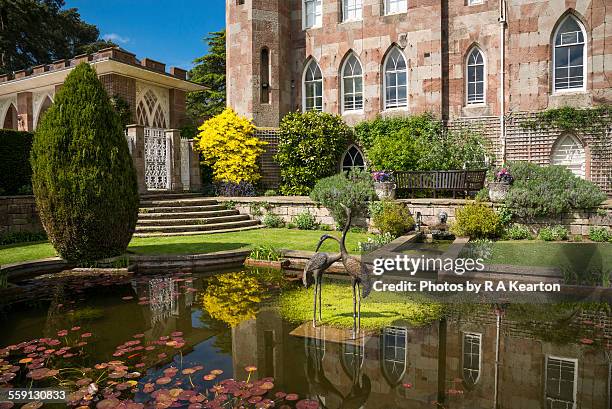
[[498, 191], [385, 190]]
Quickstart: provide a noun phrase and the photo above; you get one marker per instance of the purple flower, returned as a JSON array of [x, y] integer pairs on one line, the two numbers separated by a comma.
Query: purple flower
[[381, 176]]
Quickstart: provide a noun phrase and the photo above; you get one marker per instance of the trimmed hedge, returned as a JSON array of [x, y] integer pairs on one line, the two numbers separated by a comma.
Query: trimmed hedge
[[15, 169]]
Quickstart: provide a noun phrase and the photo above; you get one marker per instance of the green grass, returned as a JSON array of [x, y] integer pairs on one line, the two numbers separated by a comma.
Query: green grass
[[581, 255], [278, 238], [379, 310]]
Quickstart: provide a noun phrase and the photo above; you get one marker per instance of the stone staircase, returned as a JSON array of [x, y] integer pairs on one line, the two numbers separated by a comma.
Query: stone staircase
[[185, 214]]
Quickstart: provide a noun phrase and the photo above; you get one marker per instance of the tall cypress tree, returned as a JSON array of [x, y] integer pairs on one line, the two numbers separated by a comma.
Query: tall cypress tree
[[82, 173]]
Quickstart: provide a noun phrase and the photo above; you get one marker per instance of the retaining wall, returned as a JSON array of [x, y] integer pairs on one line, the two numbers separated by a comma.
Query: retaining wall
[[19, 214]]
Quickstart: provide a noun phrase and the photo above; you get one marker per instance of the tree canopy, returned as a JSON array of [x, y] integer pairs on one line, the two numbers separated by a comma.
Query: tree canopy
[[209, 70], [34, 32]]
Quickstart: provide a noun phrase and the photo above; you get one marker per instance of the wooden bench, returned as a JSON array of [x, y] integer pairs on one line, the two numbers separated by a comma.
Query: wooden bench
[[464, 182]]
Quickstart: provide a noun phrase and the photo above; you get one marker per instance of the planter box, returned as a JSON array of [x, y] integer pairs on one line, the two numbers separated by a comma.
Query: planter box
[[385, 190], [277, 265]]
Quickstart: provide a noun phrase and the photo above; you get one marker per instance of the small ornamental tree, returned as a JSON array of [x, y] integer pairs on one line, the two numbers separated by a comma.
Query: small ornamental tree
[[309, 149], [82, 173], [229, 145]]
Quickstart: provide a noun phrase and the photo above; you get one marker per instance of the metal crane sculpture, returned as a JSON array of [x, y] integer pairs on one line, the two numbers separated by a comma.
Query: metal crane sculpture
[[314, 270], [360, 276]]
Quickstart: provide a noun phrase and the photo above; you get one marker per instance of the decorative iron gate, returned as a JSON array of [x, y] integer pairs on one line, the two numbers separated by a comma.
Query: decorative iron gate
[[157, 159]]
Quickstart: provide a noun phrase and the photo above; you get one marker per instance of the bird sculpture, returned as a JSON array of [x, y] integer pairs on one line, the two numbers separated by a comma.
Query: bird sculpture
[[313, 273], [361, 277]]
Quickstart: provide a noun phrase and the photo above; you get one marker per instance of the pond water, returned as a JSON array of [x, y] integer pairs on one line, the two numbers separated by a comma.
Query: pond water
[[164, 341]]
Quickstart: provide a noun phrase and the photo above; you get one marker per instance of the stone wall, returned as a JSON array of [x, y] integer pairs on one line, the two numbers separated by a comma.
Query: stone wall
[[19, 214], [290, 206]]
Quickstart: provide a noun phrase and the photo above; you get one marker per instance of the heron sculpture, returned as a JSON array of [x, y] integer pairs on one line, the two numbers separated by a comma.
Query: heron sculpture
[[361, 277]]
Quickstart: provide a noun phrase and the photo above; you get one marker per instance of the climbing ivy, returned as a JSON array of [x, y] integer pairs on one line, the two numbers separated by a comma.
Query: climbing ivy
[[593, 121]]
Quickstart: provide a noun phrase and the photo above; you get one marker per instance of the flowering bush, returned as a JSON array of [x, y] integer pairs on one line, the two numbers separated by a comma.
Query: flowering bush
[[228, 145], [231, 189], [504, 176], [382, 176]]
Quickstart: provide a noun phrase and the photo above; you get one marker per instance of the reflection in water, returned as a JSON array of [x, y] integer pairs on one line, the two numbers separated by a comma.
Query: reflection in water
[[549, 357]]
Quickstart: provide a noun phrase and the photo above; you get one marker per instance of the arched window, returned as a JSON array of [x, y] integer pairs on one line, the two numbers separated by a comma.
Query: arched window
[[352, 85], [396, 80], [10, 119], [149, 111], [352, 159], [569, 153], [475, 77], [569, 57], [352, 358], [313, 87], [471, 358], [394, 341], [43, 108], [265, 75]]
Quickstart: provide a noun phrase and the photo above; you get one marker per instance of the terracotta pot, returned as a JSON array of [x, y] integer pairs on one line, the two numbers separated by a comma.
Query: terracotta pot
[[498, 191], [385, 190]]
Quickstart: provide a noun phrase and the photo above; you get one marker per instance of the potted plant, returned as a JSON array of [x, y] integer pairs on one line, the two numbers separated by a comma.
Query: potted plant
[[384, 185], [499, 187]]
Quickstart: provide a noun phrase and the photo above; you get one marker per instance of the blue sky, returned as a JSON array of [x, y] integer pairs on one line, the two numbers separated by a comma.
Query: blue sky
[[169, 31]]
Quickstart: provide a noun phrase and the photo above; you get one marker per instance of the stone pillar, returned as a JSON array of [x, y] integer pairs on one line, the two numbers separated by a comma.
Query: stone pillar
[[135, 138], [195, 175], [25, 112], [173, 136]]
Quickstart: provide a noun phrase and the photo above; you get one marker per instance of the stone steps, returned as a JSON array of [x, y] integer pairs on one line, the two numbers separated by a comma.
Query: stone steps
[[188, 214], [193, 221]]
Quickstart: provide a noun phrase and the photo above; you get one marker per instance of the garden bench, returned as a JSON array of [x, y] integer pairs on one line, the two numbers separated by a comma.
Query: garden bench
[[464, 182]]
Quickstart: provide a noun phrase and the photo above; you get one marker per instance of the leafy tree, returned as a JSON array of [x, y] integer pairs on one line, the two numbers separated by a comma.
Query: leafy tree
[[37, 32], [309, 148], [209, 70], [82, 174]]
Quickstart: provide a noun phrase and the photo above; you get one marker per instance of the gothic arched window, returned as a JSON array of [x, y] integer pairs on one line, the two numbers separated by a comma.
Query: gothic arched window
[[569, 56]]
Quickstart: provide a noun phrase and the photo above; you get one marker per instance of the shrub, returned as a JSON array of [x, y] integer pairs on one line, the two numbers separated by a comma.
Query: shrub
[[305, 221], [265, 253], [273, 221], [548, 191], [600, 234], [419, 142], [375, 242], [270, 192], [391, 218], [228, 145], [233, 189], [554, 233], [83, 178], [518, 232], [477, 221], [21, 237], [310, 145], [15, 168], [482, 195], [352, 190]]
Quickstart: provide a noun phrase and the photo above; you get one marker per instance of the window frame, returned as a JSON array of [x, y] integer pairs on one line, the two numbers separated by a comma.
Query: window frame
[[342, 86], [575, 381], [346, 153], [387, 6], [554, 47], [463, 338], [384, 82], [394, 332], [475, 2], [345, 11], [304, 86], [318, 18], [467, 77]]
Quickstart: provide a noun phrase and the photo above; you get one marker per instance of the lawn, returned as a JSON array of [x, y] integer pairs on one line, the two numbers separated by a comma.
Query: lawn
[[585, 255], [207, 243]]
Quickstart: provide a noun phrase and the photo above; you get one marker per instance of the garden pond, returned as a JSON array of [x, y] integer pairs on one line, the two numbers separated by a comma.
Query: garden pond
[[116, 340]]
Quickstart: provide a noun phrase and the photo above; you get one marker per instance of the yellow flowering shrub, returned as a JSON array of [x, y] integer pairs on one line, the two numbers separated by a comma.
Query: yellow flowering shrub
[[229, 145]]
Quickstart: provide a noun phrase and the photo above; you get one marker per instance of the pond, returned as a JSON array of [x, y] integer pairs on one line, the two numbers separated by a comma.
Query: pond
[[176, 340]]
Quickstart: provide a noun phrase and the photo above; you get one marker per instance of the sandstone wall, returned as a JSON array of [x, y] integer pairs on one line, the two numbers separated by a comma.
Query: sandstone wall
[[19, 214]]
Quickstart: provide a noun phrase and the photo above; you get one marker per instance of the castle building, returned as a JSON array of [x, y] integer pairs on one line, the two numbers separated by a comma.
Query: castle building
[[156, 100], [487, 64]]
